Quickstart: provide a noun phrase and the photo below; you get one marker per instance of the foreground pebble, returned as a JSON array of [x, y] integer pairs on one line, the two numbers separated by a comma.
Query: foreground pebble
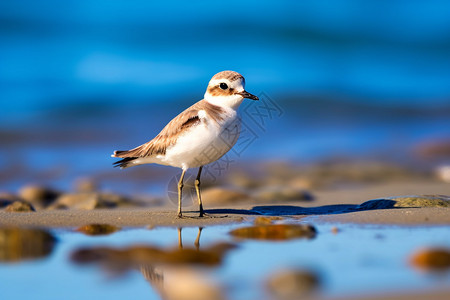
[[432, 259], [275, 232], [292, 284], [190, 284], [98, 229]]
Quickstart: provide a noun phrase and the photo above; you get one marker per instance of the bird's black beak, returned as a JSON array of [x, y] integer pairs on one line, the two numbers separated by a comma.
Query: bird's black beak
[[247, 95]]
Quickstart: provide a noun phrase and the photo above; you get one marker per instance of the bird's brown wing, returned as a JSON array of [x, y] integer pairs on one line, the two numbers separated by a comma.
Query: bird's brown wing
[[167, 137]]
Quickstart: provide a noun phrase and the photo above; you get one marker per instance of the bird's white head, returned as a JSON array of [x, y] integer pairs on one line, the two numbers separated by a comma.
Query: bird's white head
[[227, 89]]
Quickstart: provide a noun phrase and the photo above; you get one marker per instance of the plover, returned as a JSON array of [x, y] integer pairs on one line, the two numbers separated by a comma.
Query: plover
[[199, 135]]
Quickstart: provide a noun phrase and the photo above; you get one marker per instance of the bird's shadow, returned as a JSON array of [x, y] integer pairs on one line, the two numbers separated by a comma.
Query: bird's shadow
[[291, 210]]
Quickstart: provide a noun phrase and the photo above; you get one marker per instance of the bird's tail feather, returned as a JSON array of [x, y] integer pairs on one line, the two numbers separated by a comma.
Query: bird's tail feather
[[124, 163]]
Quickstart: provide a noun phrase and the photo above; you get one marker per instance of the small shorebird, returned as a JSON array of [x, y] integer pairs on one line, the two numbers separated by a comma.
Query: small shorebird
[[200, 135]]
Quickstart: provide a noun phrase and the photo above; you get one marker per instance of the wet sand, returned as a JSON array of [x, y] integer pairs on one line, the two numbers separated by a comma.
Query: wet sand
[[334, 206]]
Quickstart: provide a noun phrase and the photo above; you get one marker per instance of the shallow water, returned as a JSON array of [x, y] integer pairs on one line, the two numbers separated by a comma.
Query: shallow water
[[358, 259]]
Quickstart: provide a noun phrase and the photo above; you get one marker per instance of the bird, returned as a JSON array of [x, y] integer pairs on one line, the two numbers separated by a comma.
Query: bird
[[198, 136]]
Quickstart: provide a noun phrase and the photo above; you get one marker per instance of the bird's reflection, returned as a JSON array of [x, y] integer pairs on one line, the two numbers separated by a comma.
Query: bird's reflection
[[174, 273]]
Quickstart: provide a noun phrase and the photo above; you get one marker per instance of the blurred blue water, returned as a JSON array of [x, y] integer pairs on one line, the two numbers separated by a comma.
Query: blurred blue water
[[114, 68], [360, 260], [54, 53]]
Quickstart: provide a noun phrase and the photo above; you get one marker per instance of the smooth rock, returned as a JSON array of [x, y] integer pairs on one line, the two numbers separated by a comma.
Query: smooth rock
[[89, 201], [97, 229], [432, 259], [407, 201], [38, 196], [443, 173], [191, 284], [292, 284], [275, 232], [84, 201], [19, 206]]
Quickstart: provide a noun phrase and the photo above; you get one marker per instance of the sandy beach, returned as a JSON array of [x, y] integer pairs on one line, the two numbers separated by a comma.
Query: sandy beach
[[334, 206]]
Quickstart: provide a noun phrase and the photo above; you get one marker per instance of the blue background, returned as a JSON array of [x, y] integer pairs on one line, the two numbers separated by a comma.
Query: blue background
[[81, 78]]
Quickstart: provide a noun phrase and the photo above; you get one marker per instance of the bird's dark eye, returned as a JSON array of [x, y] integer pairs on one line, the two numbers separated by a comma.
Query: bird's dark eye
[[223, 86]]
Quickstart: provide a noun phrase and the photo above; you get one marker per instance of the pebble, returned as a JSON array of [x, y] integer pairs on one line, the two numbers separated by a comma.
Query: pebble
[[38, 196], [443, 173], [89, 201], [98, 229], [275, 232], [191, 284], [407, 201], [19, 206], [431, 259], [292, 284]]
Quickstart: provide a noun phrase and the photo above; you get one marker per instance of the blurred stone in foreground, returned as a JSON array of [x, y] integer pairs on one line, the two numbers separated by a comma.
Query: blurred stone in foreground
[[292, 284], [97, 229], [190, 284], [275, 232], [432, 259], [20, 244], [443, 173]]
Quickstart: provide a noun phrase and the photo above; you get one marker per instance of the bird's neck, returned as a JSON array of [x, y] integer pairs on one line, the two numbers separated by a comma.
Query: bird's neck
[[227, 102]]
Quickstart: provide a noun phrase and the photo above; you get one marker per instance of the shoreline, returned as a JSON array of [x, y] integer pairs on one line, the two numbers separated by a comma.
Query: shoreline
[[332, 206]]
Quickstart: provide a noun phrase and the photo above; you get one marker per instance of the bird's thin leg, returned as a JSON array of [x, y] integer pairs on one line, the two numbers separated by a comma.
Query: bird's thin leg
[[197, 188], [180, 189]]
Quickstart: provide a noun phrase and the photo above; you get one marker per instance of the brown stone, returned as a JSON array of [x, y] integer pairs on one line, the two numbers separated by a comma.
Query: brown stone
[[98, 229], [292, 284], [19, 206], [38, 196], [275, 232], [432, 259]]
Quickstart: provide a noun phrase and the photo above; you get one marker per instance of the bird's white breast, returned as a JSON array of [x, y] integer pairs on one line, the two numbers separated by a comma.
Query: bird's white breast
[[205, 142]]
